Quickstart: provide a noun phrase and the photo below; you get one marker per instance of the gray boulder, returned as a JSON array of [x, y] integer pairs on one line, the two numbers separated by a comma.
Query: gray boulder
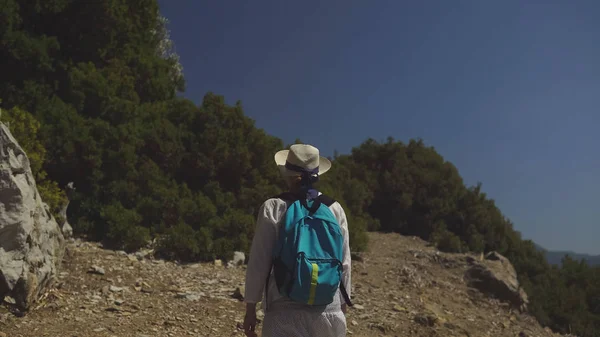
[[496, 276], [31, 242]]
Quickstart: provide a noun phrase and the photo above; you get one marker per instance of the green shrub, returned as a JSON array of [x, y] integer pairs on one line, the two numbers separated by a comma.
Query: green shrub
[[180, 243], [124, 230], [447, 241], [25, 128]]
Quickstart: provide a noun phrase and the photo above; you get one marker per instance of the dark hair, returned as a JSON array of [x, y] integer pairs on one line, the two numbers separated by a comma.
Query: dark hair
[[308, 179], [303, 185]]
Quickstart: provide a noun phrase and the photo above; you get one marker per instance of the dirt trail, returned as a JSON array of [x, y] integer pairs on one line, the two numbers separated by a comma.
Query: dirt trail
[[402, 287]]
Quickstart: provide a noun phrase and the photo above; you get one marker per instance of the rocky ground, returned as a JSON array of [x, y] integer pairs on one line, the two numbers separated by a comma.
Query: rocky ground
[[402, 287]]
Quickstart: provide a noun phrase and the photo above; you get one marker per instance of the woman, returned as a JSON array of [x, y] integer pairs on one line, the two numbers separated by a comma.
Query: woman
[[284, 317]]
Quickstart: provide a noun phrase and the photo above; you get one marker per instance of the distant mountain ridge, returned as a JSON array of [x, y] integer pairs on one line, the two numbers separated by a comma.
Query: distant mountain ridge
[[556, 256]]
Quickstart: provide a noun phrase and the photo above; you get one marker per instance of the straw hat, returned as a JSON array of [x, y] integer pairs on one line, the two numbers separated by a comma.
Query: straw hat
[[301, 158]]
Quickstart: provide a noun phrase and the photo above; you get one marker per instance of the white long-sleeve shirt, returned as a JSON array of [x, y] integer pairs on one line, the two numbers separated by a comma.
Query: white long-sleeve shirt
[[269, 220]]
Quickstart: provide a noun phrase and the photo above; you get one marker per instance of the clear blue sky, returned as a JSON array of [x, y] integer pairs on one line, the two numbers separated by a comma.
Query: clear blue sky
[[509, 91]]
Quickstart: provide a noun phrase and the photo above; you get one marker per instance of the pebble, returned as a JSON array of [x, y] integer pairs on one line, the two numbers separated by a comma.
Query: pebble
[[399, 308], [190, 296], [97, 270]]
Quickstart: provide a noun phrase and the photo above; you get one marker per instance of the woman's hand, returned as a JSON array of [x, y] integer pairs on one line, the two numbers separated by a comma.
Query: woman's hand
[[250, 320]]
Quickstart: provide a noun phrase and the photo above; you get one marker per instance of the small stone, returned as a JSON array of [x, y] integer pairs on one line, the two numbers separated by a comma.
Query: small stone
[[379, 327], [238, 293], [426, 319], [399, 308], [96, 270], [105, 290], [146, 289], [189, 296], [115, 289], [218, 263], [142, 254], [359, 307]]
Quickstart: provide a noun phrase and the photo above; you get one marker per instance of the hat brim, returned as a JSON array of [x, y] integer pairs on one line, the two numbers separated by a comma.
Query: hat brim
[[281, 157]]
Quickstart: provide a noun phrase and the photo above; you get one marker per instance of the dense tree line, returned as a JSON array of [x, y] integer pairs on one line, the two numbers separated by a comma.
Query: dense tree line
[[90, 91]]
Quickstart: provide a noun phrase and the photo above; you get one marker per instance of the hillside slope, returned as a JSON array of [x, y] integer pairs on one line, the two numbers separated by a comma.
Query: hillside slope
[[402, 287]]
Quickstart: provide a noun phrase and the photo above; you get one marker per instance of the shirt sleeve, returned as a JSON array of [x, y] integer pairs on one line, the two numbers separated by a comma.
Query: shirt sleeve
[[259, 262], [347, 260]]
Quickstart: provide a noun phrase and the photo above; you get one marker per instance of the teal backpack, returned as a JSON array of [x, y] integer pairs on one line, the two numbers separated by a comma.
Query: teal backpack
[[307, 258]]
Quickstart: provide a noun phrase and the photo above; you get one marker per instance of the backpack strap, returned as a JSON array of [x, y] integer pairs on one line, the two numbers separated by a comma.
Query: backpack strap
[[313, 208], [345, 294], [286, 196], [289, 196], [326, 200]]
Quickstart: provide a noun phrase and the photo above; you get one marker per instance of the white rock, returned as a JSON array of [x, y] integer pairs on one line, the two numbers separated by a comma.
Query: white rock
[[31, 242], [115, 289], [239, 258]]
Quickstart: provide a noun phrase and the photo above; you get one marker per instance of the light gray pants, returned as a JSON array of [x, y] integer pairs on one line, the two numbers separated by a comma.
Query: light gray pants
[[295, 322]]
